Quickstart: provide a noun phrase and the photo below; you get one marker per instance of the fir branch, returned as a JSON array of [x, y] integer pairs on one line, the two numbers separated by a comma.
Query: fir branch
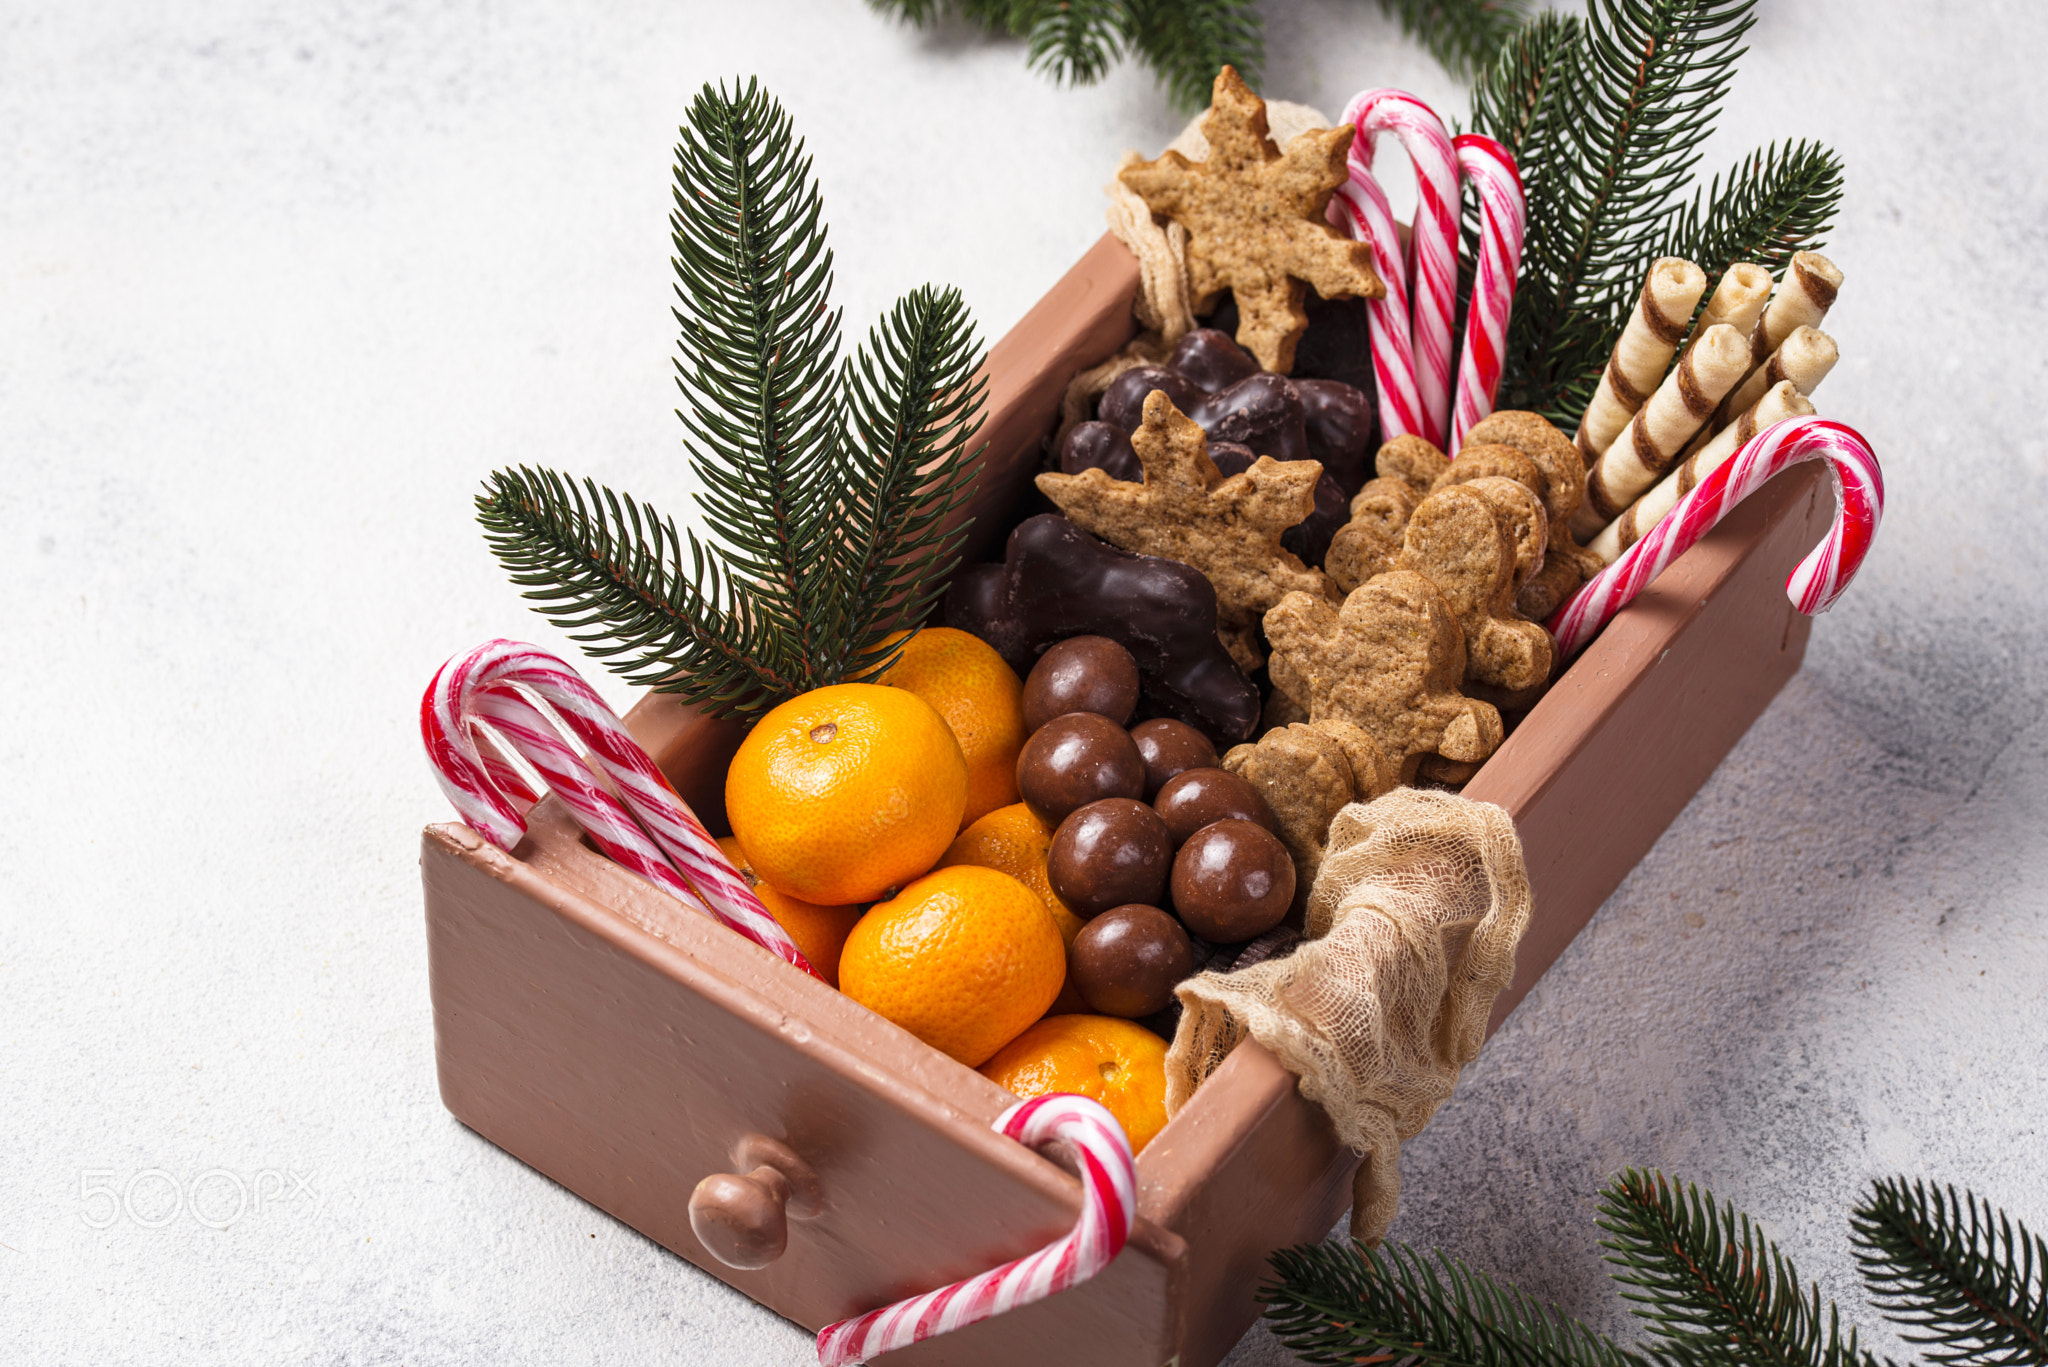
[[1776, 203], [1463, 35], [1606, 129], [1712, 1286], [1956, 1268], [1075, 42], [1336, 1304], [913, 403], [1186, 42], [831, 489]]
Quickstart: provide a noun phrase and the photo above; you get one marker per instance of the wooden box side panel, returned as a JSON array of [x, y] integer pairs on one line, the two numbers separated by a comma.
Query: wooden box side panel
[[611, 1064], [1610, 757]]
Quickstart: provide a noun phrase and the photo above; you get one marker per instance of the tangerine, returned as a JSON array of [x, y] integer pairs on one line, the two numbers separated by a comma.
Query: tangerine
[[964, 958], [1014, 840], [1116, 1062], [820, 932], [845, 792], [980, 697]]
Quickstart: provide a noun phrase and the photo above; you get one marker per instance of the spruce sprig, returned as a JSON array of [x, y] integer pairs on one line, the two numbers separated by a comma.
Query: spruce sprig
[[1951, 1266], [828, 487], [1605, 116], [1345, 1305], [1712, 1286], [1185, 42]]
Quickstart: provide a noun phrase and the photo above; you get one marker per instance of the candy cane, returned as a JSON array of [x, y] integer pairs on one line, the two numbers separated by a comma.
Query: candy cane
[[1109, 1207], [1813, 586], [1360, 206], [1491, 169], [1433, 241], [647, 828]]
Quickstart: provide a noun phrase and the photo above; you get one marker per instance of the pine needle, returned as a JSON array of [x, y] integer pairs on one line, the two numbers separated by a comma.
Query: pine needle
[[1337, 1304], [828, 486], [1712, 1286], [1954, 1267]]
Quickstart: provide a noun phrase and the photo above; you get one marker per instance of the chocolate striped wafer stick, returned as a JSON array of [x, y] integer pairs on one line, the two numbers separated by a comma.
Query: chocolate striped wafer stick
[[1737, 301], [1804, 297], [1657, 435], [1781, 401], [1671, 290], [1805, 359]]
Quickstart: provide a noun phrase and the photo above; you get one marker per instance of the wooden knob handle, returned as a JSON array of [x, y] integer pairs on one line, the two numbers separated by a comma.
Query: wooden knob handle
[[743, 1221]]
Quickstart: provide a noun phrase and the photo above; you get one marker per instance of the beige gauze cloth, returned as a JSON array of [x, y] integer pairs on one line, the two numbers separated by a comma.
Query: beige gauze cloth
[[1412, 928]]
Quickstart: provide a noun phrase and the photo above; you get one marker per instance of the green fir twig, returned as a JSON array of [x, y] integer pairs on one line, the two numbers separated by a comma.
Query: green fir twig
[[1972, 1281], [832, 490]]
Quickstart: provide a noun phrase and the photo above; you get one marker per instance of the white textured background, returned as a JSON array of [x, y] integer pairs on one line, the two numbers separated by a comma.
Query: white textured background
[[280, 281]]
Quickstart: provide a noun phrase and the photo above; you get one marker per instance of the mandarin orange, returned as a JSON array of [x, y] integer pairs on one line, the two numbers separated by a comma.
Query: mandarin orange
[[845, 792], [820, 932], [964, 958], [1116, 1062], [1013, 840], [980, 697]]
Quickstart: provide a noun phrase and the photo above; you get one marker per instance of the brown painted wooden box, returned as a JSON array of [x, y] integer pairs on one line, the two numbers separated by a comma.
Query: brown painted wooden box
[[624, 1047]]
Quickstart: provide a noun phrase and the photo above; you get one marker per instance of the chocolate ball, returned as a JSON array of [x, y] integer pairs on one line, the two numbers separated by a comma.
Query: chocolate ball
[[1126, 961], [1195, 798], [1101, 446], [1211, 359], [1081, 674], [1123, 403], [1077, 759], [1108, 853], [1233, 880], [1170, 747]]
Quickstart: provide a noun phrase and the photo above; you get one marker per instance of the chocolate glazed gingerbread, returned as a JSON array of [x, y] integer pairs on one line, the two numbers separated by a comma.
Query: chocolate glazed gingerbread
[[1057, 581]]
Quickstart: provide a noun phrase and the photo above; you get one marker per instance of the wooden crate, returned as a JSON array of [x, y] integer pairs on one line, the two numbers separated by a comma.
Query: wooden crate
[[625, 1048]]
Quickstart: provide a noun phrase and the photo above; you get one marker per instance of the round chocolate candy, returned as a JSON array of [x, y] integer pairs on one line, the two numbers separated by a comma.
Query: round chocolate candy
[[1077, 759], [1170, 747], [1081, 674], [1123, 403], [1108, 853], [1233, 880], [1126, 961], [1195, 798], [1211, 359]]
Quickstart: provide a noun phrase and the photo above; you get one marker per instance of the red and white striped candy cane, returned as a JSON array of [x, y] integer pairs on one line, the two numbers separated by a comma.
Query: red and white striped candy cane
[[1433, 237], [1813, 586], [1109, 1207], [646, 828], [1360, 208], [1502, 218]]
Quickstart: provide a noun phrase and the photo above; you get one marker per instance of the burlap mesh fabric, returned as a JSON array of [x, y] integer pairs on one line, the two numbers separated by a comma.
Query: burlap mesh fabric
[[1163, 308], [1411, 934]]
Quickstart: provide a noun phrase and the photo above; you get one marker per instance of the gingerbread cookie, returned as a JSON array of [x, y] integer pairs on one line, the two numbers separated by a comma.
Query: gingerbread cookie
[[1185, 510], [1306, 778], [1383, 671], [1254, 218], [1459, 542], [1566, 565], [1369, 544]]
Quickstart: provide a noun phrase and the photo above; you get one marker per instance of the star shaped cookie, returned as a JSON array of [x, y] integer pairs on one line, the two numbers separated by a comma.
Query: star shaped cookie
[[1185, 510], [1254, 217]]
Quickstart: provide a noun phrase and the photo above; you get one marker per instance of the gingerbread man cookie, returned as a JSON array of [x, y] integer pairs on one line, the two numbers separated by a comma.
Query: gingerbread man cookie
[[1185, 510], [1566, 565], [1462, 544], [1254, 218], [1306, 779], [1382, 674]]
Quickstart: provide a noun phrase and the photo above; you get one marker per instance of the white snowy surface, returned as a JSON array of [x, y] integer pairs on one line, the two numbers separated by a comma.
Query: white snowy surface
[[281, 281]]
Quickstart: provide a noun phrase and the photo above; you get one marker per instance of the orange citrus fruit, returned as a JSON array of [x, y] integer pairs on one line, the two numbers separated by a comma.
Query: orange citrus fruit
[[820, 932], [964, 958], [980, 697], [1013, 840], [1116, 1062], [845, 792]]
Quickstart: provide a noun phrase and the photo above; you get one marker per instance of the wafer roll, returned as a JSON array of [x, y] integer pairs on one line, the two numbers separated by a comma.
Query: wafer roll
[[1803, 299], [1781, 401], [1658, 433], [1737, 301], [1647, 344], [1805, 358]]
